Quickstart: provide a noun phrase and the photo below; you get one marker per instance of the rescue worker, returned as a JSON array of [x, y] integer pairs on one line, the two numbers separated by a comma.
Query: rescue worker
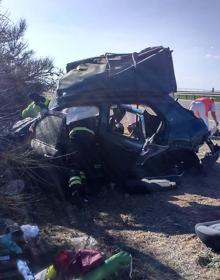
[[84, 162], [39, 104], [201, 108]]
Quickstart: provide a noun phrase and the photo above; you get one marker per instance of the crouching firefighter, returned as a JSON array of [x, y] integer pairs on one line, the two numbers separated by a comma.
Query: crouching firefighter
[[38, 105], [84, 163]]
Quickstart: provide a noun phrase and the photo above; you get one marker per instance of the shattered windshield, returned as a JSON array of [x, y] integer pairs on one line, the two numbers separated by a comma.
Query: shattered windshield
[[74, 114]]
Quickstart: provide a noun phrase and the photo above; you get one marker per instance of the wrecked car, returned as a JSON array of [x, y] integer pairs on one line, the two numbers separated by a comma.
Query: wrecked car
[[141, 131]]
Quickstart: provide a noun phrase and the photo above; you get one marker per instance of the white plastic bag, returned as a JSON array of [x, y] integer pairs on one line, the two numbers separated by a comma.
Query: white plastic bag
[[30, 232]]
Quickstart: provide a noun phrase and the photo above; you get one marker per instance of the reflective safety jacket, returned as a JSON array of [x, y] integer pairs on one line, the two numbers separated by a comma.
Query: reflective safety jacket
[[32, 110]]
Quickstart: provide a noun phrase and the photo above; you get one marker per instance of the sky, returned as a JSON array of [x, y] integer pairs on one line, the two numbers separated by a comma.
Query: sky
[[70, 30]]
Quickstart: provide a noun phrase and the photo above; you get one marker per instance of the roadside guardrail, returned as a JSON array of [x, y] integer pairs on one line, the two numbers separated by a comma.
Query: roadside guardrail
[[189, 95]]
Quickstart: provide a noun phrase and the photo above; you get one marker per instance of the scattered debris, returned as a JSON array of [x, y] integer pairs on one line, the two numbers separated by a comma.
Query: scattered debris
[[12, 249], [86, 265], [30, 232], [8, 225], [83, 242], [25, 270], [209, 234]]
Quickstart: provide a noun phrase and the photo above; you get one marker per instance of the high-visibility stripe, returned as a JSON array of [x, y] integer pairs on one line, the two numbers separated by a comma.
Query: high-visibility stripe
[[74, 177], [79, 128], [73, 185], [75, 181]]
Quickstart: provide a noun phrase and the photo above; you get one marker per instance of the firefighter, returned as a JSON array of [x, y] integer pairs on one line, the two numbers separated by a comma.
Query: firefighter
[[39, 104], [83, 161]]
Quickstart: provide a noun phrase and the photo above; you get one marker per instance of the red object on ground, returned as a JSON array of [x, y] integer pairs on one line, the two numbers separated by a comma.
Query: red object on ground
[[70, 263]]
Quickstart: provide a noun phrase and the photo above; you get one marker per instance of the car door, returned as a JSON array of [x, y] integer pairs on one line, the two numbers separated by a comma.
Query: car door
[[120, 144]]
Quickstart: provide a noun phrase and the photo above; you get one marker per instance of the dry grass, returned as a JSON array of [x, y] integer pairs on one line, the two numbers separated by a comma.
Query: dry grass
[[18, 162], [209, 259], [13, 204], [157, 229]]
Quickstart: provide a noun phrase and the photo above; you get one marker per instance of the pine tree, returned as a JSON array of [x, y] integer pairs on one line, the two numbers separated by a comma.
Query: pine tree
[[20, 72]]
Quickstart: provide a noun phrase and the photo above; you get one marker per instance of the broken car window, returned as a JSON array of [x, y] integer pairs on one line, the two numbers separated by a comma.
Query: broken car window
[[79, 113], [134, 121], [126, 121]]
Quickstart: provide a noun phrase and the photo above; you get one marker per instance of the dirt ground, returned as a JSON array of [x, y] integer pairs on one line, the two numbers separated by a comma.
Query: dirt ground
[[157, 229]]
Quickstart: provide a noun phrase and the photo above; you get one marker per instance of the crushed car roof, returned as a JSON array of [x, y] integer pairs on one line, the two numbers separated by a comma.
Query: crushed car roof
[[117, 75]]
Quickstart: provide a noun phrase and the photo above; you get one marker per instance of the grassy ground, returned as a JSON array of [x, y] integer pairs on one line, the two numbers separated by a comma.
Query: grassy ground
[[157, 229]]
